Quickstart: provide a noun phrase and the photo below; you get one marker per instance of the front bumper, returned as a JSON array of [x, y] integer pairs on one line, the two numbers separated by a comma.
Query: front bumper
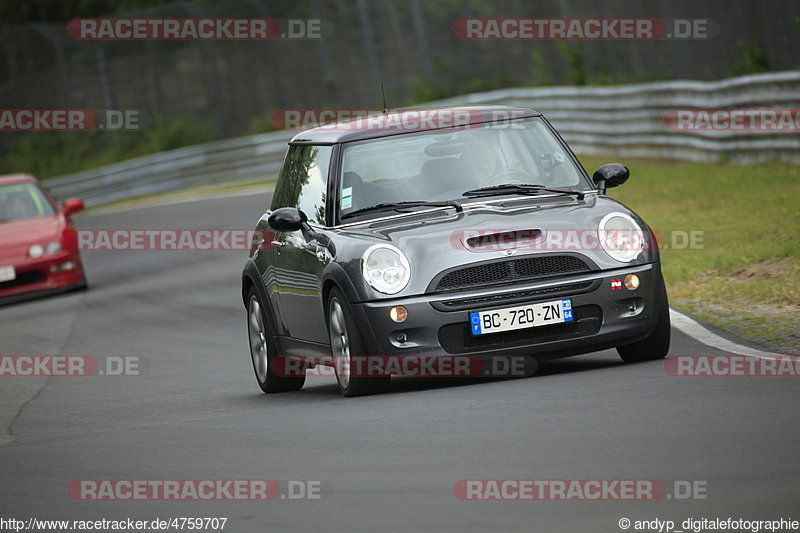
[[45, 276], [605, 316]]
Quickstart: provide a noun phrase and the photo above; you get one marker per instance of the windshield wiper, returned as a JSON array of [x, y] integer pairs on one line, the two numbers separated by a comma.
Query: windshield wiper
[[398, 205], [519, 188]]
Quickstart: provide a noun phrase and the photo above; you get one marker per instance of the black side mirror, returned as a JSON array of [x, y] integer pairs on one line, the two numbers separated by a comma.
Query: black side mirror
[[287, 219], [610, 175]]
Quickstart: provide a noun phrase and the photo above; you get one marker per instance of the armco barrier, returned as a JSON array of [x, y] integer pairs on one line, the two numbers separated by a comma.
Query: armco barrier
[[616, 121]]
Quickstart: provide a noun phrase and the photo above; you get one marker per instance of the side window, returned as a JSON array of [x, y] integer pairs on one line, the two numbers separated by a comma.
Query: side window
[[303, 181], [284, 190], [314, 184]]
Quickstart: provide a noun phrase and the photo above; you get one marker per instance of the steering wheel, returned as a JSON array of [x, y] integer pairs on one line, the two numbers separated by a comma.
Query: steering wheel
[[506, 177]]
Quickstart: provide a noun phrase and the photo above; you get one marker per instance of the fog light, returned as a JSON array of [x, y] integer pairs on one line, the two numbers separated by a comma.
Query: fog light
[[632, 282], [398, 313], [63, 267]]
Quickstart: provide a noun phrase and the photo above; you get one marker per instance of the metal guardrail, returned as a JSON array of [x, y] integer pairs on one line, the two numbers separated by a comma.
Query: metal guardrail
[[618, 121]]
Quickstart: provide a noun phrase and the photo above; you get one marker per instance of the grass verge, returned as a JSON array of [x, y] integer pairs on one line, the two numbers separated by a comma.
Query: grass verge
[[744, 273]]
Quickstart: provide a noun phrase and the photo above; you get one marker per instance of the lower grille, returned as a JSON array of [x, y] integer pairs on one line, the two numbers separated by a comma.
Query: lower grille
[[457, 338], [24, 278]]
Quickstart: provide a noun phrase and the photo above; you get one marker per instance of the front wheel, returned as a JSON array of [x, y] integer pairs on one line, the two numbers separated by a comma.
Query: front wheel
[[345, 345], [656, 345], [263, 349]]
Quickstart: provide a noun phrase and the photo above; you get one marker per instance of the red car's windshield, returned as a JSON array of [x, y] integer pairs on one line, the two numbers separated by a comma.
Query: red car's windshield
[[23, 200]]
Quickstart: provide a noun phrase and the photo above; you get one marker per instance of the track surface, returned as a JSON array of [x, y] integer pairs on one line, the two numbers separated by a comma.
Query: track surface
[[390, 461]]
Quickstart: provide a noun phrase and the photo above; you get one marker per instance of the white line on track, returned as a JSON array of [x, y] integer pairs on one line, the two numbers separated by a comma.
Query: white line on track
[[696, 331]]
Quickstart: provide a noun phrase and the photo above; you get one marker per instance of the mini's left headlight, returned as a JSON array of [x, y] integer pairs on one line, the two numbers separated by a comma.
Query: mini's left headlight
[[385, 268], [621, 237]]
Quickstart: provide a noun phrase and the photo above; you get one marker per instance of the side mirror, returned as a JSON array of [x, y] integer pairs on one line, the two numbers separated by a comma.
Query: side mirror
[[71, 205], [610, 175], [287, 219]]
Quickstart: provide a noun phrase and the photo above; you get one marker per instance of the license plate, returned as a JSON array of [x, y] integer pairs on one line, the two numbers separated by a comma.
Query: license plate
[[7, 273], [524, 316]]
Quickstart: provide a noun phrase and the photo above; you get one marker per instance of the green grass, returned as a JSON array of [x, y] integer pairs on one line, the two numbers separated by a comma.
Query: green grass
[[746, 276], [49, 154]]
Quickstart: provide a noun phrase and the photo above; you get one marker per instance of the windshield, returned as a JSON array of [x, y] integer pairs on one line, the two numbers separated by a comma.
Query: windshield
[[23, 200], [443, 164]]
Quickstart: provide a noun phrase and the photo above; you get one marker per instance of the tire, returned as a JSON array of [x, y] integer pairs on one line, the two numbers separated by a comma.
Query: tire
[[656, 345], [263, 349], [345, 343]]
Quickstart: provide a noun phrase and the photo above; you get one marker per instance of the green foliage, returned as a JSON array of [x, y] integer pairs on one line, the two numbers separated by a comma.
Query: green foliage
[[261, 124], [48, 154], [541, 73], [61, 10], [424, 89], [754, 59], [445, 83], [166, 134], [575, 58]]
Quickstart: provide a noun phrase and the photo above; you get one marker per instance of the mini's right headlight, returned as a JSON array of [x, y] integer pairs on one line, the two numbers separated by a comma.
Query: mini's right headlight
[[621, 237], [385, 268]]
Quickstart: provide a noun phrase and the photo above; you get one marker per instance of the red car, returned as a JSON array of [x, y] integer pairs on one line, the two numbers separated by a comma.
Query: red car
[[38, 243]]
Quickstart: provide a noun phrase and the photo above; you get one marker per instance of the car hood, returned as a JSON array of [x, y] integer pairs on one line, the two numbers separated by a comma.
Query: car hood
[[28, 231], [435, 244]]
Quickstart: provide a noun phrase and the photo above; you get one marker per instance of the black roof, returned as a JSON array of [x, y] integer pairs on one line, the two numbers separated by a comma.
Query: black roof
[[407, 121]]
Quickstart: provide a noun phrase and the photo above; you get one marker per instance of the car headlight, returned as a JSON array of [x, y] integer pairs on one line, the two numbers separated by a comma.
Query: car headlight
[[36, 251], [385, 268], [53, 247], [621, 237]]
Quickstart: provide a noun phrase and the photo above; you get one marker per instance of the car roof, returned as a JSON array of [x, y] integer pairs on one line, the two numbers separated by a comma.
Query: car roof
[[363, 128], [17, 178]]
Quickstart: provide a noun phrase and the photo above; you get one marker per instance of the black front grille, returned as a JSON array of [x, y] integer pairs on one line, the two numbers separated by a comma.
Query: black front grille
[[497, 299], [457, 338], [515, 270], [23, 278]]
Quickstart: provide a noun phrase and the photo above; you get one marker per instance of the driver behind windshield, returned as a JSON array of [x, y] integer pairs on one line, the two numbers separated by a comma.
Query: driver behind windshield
[[483, 154]]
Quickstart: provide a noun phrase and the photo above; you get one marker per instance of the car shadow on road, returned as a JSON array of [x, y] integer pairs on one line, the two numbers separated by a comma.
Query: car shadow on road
[[315, 390]]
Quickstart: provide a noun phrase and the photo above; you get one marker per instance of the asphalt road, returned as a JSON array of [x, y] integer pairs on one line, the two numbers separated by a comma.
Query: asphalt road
[[388, 462]]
